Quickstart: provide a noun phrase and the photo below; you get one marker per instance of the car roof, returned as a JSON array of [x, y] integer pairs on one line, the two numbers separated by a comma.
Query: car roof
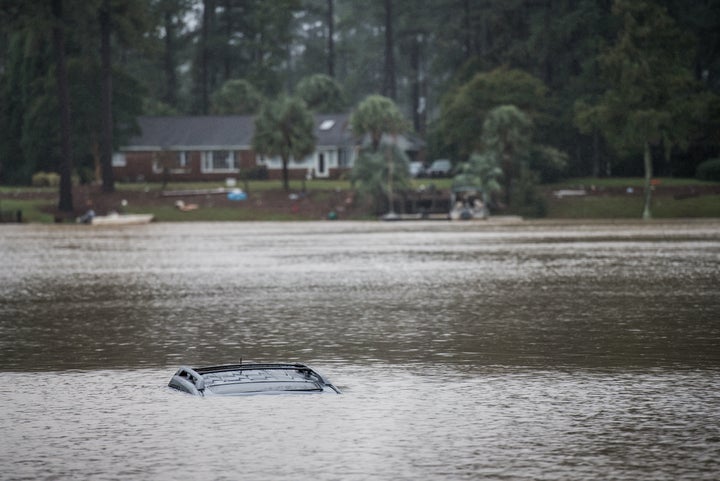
[[247, 378]]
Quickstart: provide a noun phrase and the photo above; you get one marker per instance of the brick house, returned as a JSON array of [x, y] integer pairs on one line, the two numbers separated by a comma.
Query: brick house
[[195, 148]]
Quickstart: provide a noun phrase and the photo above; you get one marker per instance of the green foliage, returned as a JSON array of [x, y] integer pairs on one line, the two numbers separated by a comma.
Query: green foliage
[[322, 94], [481, 171], [709, 170], [41, 133], [465, 110], [45, 179], [375, 116], [248, 39], [236, 96], [549, 162], [32, 210], [526, 199], [507, 131], [649, 83], [371, 174], [22, 80], [623, 206], [454, 62], [152, 106], [650, 89], [284, 128], [507, 136], [258, 172], [28, 86]]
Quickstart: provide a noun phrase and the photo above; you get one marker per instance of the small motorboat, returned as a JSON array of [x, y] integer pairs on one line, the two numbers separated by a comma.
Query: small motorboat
[[121, 219], [250, 378], [467, 203]]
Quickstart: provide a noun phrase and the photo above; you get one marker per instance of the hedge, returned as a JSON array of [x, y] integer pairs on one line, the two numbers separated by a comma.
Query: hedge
[[709, 170]]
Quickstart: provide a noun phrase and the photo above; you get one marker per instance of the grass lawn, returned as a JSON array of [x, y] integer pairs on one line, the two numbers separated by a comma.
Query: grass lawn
[[622, 206], [701, 206], [624, 182], [32, 210], [252, 185], [612, 201], [171, 214], [263, 185], [609, 200]]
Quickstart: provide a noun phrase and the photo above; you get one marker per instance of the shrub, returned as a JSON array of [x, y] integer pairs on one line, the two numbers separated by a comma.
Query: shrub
[[709, 170], [45, 179], [259, 172], [526, 199]]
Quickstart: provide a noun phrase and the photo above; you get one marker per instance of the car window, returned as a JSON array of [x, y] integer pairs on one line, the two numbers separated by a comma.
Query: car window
[[264, 386]]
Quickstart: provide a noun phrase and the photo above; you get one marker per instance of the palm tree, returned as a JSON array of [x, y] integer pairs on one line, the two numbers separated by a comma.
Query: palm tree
[[483, 172], [376, 116], [284, 128], [378, 174], [66, 200]]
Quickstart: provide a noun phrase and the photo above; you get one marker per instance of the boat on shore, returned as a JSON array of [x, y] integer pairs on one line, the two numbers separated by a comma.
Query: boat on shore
[[468, 203], [121, 219]]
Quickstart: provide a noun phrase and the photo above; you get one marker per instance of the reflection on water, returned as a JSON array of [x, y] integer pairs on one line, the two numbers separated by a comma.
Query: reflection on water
[[392, 422], [463, 350], [163, 294]]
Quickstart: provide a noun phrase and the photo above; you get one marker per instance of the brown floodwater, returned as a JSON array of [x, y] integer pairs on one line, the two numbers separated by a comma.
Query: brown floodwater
[[474, 350]]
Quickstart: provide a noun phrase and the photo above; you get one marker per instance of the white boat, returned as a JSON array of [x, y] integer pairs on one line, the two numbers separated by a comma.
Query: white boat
[[121, 219], [467, 203]]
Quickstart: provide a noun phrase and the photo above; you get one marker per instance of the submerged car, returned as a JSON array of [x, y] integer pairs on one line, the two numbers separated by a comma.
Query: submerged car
[[250, 378]]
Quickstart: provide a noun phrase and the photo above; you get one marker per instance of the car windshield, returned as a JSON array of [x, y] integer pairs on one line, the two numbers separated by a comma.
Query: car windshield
[[229, 389]]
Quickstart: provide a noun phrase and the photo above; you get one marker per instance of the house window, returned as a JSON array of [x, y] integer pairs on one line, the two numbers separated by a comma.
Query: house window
[[219, 161], [119, 160], [343, 158], [174, 162]]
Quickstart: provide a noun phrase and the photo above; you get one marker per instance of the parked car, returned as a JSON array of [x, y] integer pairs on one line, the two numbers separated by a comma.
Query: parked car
[[250, 378], [417, 169], [440, 168]]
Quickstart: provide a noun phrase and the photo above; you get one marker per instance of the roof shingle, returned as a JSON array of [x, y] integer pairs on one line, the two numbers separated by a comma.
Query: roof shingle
[[230, 132]]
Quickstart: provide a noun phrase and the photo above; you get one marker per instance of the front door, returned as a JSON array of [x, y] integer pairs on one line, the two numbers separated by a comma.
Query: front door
[[321, 169]]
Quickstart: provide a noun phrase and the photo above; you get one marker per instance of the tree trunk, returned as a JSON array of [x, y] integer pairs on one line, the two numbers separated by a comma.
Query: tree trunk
[[391, 194], [415, 91], [466, 30], [170, 96], [419, 98], [106, 118], [227, 57], [208, 6], [596, 154], [285, 174], [66, 201], [647, 157], [375, 138], [389, 77], [331, 40]]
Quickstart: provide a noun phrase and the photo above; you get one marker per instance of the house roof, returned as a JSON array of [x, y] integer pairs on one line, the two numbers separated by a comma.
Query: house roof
[[226, 132]]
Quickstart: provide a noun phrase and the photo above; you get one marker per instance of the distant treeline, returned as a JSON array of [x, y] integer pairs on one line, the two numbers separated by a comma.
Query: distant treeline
[[444, 62]]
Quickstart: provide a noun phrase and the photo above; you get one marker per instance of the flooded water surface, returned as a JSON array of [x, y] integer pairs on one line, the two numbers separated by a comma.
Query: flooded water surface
[[464, 351]]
